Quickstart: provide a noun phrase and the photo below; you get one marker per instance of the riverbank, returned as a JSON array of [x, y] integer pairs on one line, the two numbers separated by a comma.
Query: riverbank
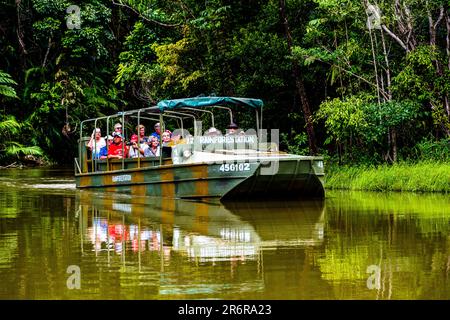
[[415, 177], [28, 161]]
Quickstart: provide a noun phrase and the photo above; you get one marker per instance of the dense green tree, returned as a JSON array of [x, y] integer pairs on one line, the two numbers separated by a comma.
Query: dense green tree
[[373, 75]]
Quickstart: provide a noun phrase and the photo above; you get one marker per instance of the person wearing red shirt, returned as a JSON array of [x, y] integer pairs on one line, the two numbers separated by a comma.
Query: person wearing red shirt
[[117, 149]]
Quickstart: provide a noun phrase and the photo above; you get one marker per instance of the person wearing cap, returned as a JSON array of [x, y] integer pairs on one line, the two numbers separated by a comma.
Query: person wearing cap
[[137, 150], [117, 128], [104, 151], [96, 143], [232, 129], [117, 149], [157, 132]]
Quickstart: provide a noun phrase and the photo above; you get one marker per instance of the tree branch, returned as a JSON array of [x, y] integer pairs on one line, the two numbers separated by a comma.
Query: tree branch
[[186, 8], [143, 17], [447, 38], [19, 28], [385, 95], [441, 15], [47, 52], [395, 37]]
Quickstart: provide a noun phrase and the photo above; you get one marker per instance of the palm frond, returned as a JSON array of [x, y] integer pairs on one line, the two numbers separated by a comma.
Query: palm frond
[[7, 91], [9, 126], [6, 83], [16, 149]]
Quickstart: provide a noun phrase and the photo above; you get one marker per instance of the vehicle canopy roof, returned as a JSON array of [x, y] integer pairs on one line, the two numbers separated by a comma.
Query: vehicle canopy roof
[[200, 102]]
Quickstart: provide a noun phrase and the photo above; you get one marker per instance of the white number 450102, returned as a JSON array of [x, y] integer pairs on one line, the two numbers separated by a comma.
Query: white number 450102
[[226, 167]]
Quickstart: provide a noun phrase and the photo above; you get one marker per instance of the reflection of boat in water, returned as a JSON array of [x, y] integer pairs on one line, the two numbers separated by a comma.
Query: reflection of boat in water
[[122, 229], [299, 223], [199, 230]]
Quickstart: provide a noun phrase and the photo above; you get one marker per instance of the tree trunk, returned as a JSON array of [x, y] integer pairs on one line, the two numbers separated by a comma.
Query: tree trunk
[[374, 60], [394, 144], [432, 26], [299, 84], [388, 70], [447, 49], [20, 34], [387, 156], [433, 33], [44, 63], [447, 38], [405, 27]]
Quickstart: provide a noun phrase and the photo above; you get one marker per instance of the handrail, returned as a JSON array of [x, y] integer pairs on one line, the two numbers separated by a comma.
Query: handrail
[[188, 116], [81, 131], [165, 115], [154, 110], [77, 165], [200, 110], [169, 116], [107, 133], [154, 113], [226, 108], [123, 140], [162, 129], [258, 131], [138, 133]]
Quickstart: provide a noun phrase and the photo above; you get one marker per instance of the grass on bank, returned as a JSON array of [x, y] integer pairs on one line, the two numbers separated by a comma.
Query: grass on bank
[[417, 177]]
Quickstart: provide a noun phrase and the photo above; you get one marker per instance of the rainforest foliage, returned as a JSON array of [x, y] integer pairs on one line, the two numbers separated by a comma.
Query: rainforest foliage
[[359, 81]]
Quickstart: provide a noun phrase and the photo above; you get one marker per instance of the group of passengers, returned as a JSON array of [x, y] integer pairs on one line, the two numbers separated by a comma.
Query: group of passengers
[[116, 147]]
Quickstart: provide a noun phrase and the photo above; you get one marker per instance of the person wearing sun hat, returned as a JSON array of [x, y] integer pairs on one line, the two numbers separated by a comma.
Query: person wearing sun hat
[[233, 129], [213, 132], [96, 143]]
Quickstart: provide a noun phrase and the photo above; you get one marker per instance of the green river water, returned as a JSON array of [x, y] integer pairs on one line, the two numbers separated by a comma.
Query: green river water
[[57, 242]]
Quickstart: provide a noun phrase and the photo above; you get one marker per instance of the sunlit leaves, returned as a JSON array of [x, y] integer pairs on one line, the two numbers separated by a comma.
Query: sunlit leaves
[[46, 27], [51, 7], [177, 71], [6, 83], [359, 117], [16, 149], [10, 130], [211, 18], [150, 10], [9, 126], [344, 117], [138, 55]]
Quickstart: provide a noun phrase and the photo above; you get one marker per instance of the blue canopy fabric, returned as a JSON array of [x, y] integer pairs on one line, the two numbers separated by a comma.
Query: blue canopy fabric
[[208, 102]]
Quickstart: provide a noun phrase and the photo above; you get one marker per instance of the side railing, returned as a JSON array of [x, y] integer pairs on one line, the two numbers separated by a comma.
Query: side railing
[[86, 162], [77, 166]]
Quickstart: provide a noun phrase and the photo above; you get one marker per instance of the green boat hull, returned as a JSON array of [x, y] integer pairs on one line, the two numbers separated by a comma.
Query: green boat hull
[[292, 178]]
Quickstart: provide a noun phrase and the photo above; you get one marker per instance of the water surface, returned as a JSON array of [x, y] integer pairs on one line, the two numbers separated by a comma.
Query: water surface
[[148, 248]]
